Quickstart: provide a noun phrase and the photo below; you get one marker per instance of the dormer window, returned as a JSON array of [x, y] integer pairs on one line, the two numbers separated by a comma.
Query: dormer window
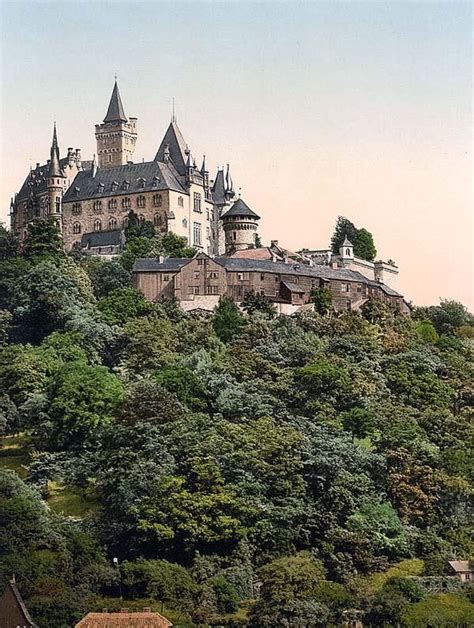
[[141, 182], [100, 188], [155, 181], [125, 185], [77, 190], [114, 186]]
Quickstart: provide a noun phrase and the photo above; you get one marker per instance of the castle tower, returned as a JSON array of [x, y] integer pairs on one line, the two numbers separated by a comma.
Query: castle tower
[[240, 227], [55, 180], [222, 197], [117, 136]]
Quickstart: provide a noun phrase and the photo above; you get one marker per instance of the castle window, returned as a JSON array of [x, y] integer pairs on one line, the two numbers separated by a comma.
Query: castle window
[[157, 220], [197, 233], [345, 287], [110, 158], [197, 202], [262, 276], [125, 185], [201, 261], [112, 223], [76, 228], [348, 252], [126, 203], [141, 182], [155, 181], [100, 188], [58, 204], [125, 222], [76, 208], [180, 201], [166, 278], [157, 200], [113, 203], [185, 223], [97, 206], [141, 219], [97, 225], [195, 290], [141, 201], [196, 274], [207, 214], [359, 288], [213, 275], [114, 186]]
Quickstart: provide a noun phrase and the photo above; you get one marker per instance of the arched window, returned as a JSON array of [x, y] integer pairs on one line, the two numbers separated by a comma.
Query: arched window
[[76, 228], [126, 203], [97, 206], [348, 252], [157, 200], [157, 220], [112, 223], [125, 222], [76, 208], [141, 219], [185, 223], [58, 204], [113, 203], [141, 201], [97, 225], [180, 201]]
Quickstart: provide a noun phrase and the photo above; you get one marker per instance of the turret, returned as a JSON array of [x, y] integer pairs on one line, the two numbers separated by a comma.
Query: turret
[[229, 185], [55, 180], [240, 227], [117, 136], [346, 251]]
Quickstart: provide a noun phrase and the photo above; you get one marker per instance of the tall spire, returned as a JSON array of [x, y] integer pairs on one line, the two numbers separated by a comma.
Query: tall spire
[[54, 169], [115, 112]]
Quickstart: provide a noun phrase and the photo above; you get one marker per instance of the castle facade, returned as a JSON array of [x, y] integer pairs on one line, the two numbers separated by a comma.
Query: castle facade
[[93, 196]]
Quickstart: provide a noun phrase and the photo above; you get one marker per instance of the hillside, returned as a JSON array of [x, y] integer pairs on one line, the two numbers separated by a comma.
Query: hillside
[[245, 470]]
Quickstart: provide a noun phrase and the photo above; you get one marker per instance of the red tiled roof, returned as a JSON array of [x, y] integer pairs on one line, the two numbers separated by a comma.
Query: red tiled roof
[[124, 620]]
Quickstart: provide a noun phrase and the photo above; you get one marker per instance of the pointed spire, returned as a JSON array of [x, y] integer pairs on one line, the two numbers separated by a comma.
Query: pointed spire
[[115, 112], [346, 242], [203, 167], [94, 166], [228, 181], [54, 169]]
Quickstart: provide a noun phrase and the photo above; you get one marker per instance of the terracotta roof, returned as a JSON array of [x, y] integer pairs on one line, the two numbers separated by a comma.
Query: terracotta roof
[[124, 620], [461, 565]]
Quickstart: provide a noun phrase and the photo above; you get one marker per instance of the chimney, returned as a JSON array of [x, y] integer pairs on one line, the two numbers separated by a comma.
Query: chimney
[[71, 158], [161, 259], [78, 158], [274, 243]]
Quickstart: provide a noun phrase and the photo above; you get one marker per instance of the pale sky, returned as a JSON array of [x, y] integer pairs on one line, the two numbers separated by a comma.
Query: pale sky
[[361, 109]]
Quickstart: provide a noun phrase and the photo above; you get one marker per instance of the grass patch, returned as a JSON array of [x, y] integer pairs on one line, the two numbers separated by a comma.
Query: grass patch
[[14, 454], [70, 501], [370, 585]]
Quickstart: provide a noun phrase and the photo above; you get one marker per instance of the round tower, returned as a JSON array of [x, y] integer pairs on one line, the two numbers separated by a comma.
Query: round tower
[[55, 182], [240, 227]]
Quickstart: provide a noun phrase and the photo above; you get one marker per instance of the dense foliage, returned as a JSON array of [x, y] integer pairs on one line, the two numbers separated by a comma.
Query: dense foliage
[[243, 469], [361, 239]]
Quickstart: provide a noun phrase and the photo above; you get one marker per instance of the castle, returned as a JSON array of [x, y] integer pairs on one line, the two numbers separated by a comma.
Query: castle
[[91, 202]]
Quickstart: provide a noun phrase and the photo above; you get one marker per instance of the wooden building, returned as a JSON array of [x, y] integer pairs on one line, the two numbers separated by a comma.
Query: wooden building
[[13, 611]]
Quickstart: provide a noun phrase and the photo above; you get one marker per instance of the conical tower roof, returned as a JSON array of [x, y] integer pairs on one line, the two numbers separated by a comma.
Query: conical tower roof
[[115, 112], [239, 208], [54, 169], [177, 148]]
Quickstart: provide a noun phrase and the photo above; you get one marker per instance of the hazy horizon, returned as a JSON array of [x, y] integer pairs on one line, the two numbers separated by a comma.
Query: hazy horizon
[[322, 109]]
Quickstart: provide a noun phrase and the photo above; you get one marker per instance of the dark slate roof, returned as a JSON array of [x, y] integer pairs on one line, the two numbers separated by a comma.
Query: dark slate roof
[[293, 287], [11, 591], [218, 189], [115, 112], [150, 264], [101, 238], [239, 208], [236, 264], [168, 179], [177, 147], [38, 179]]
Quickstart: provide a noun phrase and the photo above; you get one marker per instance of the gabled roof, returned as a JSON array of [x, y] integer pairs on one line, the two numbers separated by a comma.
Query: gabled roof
[[239, 208], [178, 149], [113, 237], [461, 565], [158, 176], [13, 608], [115, 112], [218, 189], [293, 287], [124, 620]]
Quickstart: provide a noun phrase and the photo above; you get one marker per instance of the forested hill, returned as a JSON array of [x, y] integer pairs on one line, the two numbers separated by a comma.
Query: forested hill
[[245, 470]]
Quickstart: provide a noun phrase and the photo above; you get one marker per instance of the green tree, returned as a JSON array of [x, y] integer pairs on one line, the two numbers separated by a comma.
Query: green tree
[[136, 248], [253, 302], [359, 421], [227, 320], [106, 276], [137, 229], [322, 299], [8, 244], [226, 595], [427, 332], [173, 245], [364, 246], [445, 609], [344, 229], [147, 401], [43, 239], [83, 401], [123, 304]]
